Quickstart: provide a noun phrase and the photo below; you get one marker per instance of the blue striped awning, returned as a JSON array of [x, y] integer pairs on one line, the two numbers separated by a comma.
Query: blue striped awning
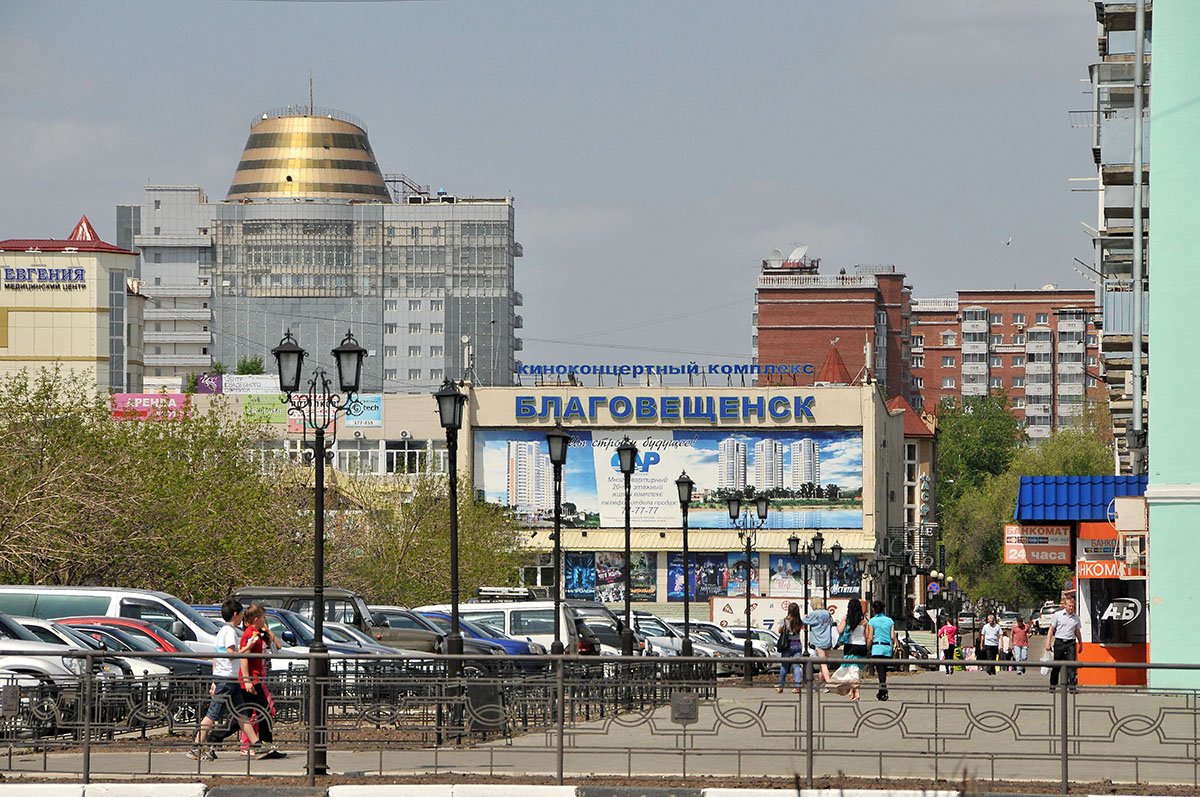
[[1043, 498]]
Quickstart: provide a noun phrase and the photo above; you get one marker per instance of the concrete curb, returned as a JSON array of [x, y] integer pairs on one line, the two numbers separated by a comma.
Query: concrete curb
[[438, 790]]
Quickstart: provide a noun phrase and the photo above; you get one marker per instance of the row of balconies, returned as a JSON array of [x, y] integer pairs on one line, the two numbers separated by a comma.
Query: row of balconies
[[178, 314], [150, 336]]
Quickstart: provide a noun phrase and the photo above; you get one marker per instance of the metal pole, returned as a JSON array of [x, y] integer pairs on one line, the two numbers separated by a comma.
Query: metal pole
[[559, 681], [557, 647], [627, 632], [686, 647], [318, 668], [87, 717], [1063, 675], [1139, 88], [454, 641], [748, 648], [809, 696], [807, 608]]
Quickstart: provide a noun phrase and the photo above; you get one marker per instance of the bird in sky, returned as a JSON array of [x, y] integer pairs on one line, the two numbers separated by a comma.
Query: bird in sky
[[1009, 241]]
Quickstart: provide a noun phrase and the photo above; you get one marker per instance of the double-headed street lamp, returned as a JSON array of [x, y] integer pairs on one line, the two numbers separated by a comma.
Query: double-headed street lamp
[[762, 505], [318, 406], [450, 401], [685, 485], [558, 441], [627, 460]]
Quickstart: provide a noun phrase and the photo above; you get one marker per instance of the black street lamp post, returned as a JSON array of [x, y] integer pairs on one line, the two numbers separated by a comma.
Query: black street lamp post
[[685, 485], [318, 406], [835, 553], [450, 402], [801, 554], [558, 441], [627, 459], [762, 505]]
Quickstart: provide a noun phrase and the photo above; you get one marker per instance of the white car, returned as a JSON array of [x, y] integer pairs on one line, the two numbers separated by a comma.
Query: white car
[[55, 634]]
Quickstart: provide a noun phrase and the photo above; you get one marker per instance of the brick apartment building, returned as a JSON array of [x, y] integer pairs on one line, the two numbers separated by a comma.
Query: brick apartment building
[[800, 315], [1039, 346]]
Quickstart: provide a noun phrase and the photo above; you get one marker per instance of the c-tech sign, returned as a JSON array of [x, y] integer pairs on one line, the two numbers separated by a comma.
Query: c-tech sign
[[669, 408]]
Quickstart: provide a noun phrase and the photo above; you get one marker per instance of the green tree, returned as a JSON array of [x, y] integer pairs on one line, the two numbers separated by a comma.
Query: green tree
[[973, 523], [218, 367], [392, 540], [975, 440], [247, 366]]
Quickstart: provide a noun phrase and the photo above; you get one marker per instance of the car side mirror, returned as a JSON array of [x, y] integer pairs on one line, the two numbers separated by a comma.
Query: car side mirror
[[289, 637], [177, 628]]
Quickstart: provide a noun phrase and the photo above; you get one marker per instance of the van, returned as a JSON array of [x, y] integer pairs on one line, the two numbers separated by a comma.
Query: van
[[163, 610], [532, 621]]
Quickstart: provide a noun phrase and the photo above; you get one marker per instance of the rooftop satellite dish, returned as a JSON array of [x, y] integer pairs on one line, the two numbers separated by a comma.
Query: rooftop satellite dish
[[798, 253], [465, 338], [776, 254]]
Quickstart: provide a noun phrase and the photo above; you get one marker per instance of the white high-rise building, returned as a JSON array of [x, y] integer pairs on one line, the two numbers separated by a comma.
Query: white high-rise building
[[731, 465], [806, 462], [768, 465], [530, 478]]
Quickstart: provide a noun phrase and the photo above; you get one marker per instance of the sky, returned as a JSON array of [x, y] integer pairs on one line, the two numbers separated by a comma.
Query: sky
[[657, 150]]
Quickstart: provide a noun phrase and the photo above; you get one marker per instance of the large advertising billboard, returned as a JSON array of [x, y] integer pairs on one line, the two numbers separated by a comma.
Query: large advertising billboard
[[814, 477]]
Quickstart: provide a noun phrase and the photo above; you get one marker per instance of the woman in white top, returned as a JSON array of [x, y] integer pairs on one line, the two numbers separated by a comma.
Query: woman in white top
[[854, 635]]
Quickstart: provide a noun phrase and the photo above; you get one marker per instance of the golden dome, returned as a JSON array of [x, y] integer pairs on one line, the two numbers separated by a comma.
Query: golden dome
[[295, 155]]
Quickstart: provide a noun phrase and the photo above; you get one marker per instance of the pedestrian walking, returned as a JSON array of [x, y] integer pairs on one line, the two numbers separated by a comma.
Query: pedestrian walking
[[252, 677], [1006, 649], [791, 645], [948, 636], [1020, 643], [1064, 638], [852, 636], [226, 692], [882, 630], [989, 636], [820, 633]]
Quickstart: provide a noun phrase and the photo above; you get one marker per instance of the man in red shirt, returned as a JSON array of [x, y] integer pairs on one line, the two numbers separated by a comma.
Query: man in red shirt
[[258, 638]]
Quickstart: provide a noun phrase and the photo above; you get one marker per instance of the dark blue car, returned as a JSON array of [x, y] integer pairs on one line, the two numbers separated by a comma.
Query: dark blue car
[[514, 647]]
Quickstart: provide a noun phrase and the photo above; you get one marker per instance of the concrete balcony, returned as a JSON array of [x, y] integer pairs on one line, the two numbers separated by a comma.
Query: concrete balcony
[[974, 368], [975, 348], [178, 314], [203, 338], [975, 326], [177, 291], [177, 360]]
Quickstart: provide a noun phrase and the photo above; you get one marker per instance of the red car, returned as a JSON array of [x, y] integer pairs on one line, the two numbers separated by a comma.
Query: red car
[[139, 629]]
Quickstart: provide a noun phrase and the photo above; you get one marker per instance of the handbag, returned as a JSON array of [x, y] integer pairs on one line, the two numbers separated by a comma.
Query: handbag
[[785, 641]]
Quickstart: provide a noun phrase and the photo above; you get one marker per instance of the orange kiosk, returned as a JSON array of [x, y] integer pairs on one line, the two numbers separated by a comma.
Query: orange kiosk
[[1075, 519]]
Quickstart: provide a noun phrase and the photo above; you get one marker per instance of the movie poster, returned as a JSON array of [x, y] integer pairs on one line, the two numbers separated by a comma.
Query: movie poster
[[738, 575], [710, 575], [579, 578], [788, 574], [610, 576], [676, 578], [643, 576]]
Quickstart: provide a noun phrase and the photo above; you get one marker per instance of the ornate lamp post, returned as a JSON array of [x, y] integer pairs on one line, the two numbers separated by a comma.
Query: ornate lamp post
[[450, 402], [835, 552], [558, 441], [318, 405], [685, 485], [762, 505], [797, 553], [627, 459]]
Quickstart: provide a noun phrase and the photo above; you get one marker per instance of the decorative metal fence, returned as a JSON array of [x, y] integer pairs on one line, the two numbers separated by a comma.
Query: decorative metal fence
[[571, 717]]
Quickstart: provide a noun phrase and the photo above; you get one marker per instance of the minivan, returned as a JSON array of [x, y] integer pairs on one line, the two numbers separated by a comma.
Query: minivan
[[163, 610], [532, 621]]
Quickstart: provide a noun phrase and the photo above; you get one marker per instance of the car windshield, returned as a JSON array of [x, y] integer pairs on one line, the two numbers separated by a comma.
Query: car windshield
[[338, 634], [355, 635], [490, 630], [475, 629], [199, 620], [11, 629], [305, 633], [82, 639]]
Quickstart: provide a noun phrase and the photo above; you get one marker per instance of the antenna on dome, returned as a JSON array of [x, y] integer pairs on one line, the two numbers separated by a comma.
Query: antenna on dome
[[310, 93]]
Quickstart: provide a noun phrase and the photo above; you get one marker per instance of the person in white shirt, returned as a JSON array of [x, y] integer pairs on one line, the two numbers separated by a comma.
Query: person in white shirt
[[990, 635], [226, 692], [1065, 638]]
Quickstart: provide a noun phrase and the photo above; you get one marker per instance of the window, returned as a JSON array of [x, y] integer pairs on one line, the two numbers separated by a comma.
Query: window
[[414, 329], [414, 304], [978, 314], [158, 204], [1018, 318], [918, 361], [435, 374], [975, 337], [949, 338], [1092, 340], [435, 305], [436, 329], [406, 456], [390, 351], [947, 362], [158, 230], [976, 359], [414, 374], [390, 329], [358, 456], [996, 320], [1018, 361], [414, 351], [1042, 318], [918, 383], [996, 340], [918, 341], [1018, 381], [437, 351], [1018, 340], [947, 382], [157, 257], [996, 362], [532, 621], [390, 305], [1091, 360], [1019, 403], [995, 383], [1091, 381], [389, 375]]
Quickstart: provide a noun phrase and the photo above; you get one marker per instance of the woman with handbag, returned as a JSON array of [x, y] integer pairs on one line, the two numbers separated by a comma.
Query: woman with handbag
[[854, 639], [791, 645]]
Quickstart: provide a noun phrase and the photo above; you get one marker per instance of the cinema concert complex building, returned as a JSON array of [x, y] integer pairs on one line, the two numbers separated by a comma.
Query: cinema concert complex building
[[835, 459]]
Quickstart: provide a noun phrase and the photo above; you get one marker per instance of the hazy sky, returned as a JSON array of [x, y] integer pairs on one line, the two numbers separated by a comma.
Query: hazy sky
[[657, 149]]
